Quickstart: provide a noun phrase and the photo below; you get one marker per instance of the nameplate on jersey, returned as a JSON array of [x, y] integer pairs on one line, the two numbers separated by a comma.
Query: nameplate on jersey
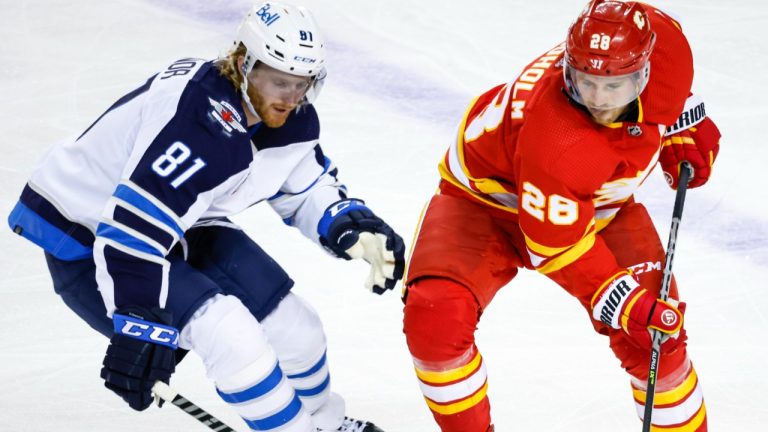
[[692, 114], [227, 116], [147, 331]]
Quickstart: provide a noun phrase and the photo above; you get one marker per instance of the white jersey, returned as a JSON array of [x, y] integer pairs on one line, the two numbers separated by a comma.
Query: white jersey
[[172, 154]]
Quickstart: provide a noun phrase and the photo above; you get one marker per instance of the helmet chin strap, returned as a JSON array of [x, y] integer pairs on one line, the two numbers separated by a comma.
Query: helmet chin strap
[[244, 91]]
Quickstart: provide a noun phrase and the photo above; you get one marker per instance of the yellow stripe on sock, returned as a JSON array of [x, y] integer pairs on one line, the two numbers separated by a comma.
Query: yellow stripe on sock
[[460, 406], [433, 377], [671, 396]]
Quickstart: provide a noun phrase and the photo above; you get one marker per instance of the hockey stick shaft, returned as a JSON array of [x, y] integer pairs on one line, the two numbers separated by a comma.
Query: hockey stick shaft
[[677, 214], [163, 391]]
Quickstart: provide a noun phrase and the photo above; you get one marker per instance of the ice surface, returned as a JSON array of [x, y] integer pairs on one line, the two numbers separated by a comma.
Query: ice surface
[[401, 73]]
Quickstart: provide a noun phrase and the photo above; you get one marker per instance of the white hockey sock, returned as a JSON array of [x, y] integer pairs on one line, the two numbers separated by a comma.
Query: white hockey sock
[[244, 366], [296, 333], [678, 402]]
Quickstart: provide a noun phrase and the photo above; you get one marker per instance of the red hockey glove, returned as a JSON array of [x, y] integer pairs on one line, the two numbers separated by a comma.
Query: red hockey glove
[[623, 304], [693, 138]]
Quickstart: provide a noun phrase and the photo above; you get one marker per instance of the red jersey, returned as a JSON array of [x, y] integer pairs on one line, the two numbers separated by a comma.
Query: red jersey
[[524, 147]]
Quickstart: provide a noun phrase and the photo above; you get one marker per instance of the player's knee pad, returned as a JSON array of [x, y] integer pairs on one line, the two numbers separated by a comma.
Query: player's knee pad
[[296, 333], [440, 319], [244, 366], [225, 335]]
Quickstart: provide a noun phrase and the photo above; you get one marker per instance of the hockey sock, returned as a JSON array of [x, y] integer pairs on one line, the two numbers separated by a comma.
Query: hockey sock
[[457, 397], [244, 366], [678, 404], [440, 320]]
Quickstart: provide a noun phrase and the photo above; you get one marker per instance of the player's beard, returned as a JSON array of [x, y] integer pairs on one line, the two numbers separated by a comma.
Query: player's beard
[[605, 116], [273, 115]]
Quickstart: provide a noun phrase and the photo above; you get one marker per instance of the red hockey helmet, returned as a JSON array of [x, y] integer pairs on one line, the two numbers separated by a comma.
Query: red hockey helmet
[[610, 38]]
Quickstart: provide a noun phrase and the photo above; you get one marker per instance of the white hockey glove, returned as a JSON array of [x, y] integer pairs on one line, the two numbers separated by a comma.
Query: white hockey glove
[[350, 230]]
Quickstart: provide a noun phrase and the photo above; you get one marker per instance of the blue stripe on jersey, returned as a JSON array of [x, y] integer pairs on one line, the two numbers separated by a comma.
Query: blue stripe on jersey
[[125, 239], [278, 419], [35, 228], [136, 222], [315, 390], [122, 101], [320, 363], [256, 391], [42, 207], [132, 197]]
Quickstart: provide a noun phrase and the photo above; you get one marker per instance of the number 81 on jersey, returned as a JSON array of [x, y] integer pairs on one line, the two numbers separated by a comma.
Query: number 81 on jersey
[[173, 157]]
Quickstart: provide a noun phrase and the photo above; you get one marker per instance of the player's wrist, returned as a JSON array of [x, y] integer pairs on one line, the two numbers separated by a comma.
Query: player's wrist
[[145, 325]]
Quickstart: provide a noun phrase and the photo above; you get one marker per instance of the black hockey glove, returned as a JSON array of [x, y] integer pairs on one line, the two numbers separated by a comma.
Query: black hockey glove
[[350, 230], [140, 352]]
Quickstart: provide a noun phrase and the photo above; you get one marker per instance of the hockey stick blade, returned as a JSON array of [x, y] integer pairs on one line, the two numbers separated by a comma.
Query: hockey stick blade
[[166, 393]]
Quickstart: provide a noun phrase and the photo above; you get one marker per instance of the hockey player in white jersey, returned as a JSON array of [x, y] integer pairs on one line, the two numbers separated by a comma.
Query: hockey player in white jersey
[[132, 217]]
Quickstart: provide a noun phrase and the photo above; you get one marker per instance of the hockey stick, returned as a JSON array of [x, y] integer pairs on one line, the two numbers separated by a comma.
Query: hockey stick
[[163, 391], [677, 214]]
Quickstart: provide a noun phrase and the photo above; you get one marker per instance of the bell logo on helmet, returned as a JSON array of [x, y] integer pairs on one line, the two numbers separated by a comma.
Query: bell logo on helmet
[[266, 16]]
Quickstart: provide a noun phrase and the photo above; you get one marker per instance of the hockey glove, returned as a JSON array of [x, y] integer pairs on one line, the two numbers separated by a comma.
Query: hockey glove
[[140, 352], [693, 138], [350, 230], [623, 304]]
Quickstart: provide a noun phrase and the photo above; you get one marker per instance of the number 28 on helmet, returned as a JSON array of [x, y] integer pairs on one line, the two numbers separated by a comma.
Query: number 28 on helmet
[[607, 55]]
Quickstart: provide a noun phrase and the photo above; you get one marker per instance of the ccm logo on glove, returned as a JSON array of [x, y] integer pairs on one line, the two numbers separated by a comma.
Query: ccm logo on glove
[[146, 330], [350, 230]]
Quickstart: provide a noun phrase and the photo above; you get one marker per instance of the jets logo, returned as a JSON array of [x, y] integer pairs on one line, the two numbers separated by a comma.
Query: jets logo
[[226, 115]]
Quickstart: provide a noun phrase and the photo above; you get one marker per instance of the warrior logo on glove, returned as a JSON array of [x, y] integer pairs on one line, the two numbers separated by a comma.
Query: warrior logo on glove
[[623, 304], [694, 138]]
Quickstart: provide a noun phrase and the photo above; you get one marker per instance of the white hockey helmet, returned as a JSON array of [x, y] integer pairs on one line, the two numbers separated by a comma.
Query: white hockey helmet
[[283, 36]]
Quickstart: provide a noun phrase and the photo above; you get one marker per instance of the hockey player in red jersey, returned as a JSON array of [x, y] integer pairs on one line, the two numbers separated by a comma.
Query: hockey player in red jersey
[[542, 176]]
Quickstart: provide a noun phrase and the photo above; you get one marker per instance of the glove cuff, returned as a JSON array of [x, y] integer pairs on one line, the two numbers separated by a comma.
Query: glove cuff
[[135, 326], [335, 210], [610, 302], [693, 114]]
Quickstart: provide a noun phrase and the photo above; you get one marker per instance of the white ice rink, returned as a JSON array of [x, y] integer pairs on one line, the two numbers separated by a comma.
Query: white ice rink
[[400, 75]]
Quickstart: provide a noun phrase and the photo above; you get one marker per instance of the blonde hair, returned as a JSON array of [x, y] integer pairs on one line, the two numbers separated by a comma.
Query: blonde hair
[[227, 65]]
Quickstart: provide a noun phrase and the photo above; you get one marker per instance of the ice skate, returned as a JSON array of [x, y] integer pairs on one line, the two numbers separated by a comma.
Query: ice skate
[[354, 425]]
